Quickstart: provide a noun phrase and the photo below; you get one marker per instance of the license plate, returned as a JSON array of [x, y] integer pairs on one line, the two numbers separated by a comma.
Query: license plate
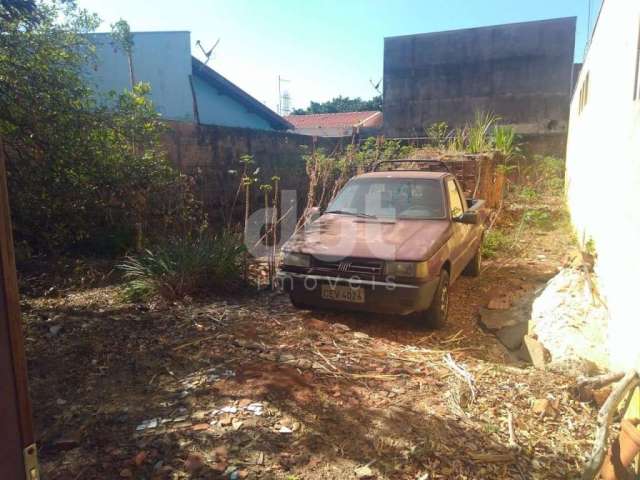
[[342, 293]]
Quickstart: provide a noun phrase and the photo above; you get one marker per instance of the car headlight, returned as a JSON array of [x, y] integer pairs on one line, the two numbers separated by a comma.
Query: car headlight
[[293, 259], [407, 269]]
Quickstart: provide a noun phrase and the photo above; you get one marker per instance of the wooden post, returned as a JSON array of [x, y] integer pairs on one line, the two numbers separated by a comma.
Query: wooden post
[[17, 448]]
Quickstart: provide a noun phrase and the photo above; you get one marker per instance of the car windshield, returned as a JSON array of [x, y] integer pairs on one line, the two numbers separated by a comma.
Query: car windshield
[[391, 198]]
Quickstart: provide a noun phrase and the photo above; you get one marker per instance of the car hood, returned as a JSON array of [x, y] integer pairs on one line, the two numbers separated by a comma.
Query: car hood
[[341, 236]]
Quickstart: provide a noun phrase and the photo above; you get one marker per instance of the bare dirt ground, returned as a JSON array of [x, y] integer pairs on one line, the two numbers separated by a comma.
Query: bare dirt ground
[[252, 388]]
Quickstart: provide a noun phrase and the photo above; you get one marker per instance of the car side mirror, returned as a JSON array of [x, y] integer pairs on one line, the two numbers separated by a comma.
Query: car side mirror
[[470, 217]]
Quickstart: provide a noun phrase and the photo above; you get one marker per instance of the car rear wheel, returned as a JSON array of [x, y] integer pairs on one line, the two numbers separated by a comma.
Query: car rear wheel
[[437, 313], [473, 267]]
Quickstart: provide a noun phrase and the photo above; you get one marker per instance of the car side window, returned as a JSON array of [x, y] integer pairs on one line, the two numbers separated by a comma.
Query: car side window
[[455, 202]]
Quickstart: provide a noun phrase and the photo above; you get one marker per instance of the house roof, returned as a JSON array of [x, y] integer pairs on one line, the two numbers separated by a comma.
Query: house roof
[[368, 119], [228, 88]]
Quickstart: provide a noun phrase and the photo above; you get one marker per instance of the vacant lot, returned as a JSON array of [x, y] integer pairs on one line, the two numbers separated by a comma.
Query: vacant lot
[[252, 388]]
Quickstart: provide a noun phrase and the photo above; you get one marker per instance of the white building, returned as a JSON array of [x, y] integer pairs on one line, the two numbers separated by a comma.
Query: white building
[[603, 169]]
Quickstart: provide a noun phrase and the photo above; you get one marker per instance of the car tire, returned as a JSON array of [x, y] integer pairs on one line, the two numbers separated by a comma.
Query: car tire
[[438, 312], [473, 267]]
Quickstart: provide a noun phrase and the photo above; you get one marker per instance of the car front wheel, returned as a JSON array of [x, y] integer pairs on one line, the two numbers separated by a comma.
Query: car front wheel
[[473, 267], [438, 311]]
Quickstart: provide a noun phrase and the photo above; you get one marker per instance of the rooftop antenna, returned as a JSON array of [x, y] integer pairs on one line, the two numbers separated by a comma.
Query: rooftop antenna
[[208, 53], [376, 86]]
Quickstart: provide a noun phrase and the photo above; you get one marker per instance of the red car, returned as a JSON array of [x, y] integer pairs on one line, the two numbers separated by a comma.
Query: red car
[[390, 242]]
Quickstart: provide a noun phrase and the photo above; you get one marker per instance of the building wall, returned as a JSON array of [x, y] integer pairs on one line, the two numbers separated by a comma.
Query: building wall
[[215, 108], [603, 169], [521, 72], [161, 58]]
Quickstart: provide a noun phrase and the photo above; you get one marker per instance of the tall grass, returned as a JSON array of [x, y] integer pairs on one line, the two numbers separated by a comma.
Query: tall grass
[[181, 267], [505, 141], [478, 138]]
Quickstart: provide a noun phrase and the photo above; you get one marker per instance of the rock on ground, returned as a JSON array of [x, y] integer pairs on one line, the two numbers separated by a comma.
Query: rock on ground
[[566, 321]]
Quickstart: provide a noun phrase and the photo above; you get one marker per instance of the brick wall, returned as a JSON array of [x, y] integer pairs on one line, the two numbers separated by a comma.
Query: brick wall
[[209, 153]]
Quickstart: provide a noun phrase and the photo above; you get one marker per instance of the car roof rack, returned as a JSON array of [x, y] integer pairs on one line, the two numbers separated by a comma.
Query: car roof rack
[[431, 164]]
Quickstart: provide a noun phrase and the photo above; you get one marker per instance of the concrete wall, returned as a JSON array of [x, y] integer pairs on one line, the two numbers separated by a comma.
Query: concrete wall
[[603, 169], [209, 153], [521, 72], [553, 144], [214, 108], [161, 58]]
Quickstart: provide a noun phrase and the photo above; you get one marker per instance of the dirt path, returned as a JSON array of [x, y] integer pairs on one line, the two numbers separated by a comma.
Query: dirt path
[[252, 388]]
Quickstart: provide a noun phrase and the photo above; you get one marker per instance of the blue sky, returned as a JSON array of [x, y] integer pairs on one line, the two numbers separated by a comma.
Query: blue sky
[[324, 47]]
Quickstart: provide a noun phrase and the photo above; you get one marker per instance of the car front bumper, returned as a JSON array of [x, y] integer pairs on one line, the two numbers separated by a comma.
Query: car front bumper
[[379, 297]]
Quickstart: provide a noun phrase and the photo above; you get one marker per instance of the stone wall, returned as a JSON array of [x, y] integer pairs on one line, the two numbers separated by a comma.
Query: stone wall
[[211, 153]]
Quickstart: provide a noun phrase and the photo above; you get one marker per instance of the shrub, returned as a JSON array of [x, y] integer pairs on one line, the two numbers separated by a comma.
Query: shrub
[[185, 266], [86, 172], [546, 174], [437, 134], [494, 242], [526, 192], [539, 217]]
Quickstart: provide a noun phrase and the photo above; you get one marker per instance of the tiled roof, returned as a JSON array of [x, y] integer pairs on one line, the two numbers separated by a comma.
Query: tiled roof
[[336, 120]]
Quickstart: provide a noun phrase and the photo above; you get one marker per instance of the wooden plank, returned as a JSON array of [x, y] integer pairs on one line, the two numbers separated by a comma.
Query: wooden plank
[[15, 407]]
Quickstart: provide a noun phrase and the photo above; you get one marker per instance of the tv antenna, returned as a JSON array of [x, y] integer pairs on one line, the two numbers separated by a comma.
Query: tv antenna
[[207, 53], [376, 86]]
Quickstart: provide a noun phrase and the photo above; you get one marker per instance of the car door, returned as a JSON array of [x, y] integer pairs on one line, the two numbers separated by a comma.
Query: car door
[[459, 248]]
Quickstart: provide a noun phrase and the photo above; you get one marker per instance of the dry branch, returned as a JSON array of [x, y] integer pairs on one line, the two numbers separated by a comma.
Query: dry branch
[[592, 467], [513, 444], [594, 383]]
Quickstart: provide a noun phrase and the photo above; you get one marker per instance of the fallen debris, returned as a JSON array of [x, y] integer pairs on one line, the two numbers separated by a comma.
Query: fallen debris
[[630, 381], [536, 352], [306, 394]]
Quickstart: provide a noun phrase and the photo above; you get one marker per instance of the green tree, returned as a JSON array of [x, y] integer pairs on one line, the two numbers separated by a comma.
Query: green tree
[[123, 39], [83, 172], [342, 104]]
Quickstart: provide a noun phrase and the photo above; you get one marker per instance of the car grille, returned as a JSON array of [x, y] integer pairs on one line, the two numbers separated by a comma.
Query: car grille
[[348, 267]]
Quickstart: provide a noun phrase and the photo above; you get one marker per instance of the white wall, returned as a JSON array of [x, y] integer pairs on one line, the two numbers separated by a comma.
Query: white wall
[[161, 58], [215, 108], [603, 171]]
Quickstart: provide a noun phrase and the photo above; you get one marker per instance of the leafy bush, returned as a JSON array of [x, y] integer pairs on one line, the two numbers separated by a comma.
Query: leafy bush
[[526, 192], [84, 173], [495, 241], [437, 134], [544, 174], [539, 217], [185, 266]]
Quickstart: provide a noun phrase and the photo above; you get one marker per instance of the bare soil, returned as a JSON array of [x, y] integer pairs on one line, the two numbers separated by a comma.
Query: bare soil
[[250, 387]]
